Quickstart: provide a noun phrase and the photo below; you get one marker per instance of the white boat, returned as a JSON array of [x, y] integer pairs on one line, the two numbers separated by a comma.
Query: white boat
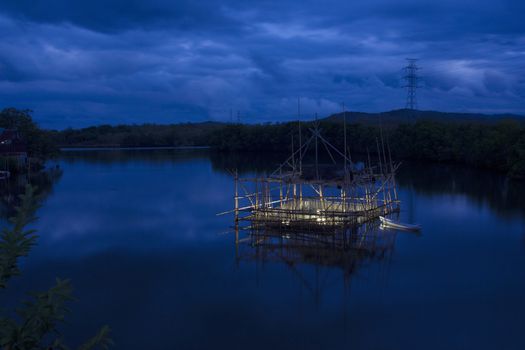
[[397, 225]]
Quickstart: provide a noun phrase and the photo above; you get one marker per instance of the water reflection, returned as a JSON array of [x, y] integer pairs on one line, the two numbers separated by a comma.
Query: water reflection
[[347, 249], [483, 187], [501, 194], [147, 155], [136, 231], [12, 187]]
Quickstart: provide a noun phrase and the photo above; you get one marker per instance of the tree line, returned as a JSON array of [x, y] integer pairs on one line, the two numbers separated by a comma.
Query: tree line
[[145, 135], [498, 144]]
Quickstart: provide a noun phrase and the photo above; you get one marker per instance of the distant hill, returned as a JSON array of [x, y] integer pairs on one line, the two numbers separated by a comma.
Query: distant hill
[[403, 115]]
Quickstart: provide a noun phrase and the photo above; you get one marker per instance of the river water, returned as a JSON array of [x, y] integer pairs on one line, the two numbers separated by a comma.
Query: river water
[[136, 231]]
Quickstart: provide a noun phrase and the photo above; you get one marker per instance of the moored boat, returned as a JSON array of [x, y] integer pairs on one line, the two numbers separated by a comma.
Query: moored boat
[[398, 225]]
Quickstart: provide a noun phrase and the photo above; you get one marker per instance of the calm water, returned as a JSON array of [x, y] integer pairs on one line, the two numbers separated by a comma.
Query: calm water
[[137, 234]]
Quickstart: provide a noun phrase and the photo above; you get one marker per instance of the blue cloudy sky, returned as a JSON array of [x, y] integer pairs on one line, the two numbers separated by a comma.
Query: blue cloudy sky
[[79, 63]]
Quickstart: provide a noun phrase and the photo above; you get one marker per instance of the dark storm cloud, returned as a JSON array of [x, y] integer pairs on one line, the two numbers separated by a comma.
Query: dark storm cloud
[[85, 62], [115, 15]]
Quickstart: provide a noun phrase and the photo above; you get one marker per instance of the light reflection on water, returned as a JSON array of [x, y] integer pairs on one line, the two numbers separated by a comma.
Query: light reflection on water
[[136, 231]]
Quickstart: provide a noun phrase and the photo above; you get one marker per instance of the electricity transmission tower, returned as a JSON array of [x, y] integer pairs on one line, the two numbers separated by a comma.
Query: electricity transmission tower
[[411, 79]]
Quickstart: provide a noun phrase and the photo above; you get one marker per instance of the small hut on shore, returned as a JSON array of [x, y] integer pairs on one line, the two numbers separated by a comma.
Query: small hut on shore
[[13, 151]]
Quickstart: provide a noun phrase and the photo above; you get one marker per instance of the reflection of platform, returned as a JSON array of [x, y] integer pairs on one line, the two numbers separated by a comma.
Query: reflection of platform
[[345, 248]]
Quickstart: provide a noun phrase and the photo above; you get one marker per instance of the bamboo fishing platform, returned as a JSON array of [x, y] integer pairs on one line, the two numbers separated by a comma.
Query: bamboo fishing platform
[[312, 200]]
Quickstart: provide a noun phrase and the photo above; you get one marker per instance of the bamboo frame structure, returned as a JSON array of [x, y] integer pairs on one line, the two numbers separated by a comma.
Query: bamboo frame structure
[[314, 199]]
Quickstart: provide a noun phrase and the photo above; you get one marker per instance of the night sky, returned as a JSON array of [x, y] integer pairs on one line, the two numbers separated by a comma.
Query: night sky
[[80, 63]]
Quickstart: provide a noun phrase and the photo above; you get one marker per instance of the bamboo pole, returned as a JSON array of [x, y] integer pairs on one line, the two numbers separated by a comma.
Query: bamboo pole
[[256, 194], [281, 190], [300, 136], [236, 200], [344, 141]]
